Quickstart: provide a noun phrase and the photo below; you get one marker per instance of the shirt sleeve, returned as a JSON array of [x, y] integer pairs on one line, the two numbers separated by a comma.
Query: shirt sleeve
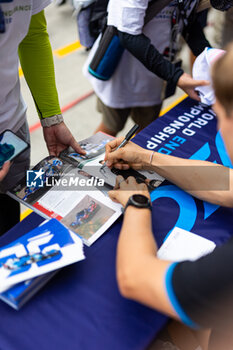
[[39, 5], [201, 291], [128, 17], [36, 59], [140, 47]]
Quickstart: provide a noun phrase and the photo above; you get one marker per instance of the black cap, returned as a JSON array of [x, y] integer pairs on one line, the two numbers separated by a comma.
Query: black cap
[[222, 5]]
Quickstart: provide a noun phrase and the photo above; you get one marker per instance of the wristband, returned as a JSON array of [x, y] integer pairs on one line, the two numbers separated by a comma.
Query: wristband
[[151, 157]]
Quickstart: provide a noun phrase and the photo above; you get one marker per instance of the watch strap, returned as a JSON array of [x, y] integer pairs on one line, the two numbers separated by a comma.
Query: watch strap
[[50, 121]]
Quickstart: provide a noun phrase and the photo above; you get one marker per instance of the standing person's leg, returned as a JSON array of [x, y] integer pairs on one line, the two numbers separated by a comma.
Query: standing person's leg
[[9, 208], [113, 119], [216, 18], [143, 116], [227, 33]]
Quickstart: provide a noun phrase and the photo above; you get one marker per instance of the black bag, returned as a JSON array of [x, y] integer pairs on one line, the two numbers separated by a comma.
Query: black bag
[[222, 5], [98, 18], [92, 20]]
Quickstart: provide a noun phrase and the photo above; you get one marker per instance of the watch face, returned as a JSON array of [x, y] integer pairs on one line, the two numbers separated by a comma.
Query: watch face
[[140, 199]]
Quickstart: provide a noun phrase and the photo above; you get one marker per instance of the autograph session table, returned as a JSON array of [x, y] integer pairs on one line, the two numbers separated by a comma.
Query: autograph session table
[[81, 308]]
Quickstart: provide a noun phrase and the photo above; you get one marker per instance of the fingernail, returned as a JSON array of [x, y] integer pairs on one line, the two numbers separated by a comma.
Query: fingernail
[[108, 163]]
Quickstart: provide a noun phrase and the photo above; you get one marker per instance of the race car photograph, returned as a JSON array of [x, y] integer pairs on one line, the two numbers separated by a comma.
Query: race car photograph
[[85, 215]]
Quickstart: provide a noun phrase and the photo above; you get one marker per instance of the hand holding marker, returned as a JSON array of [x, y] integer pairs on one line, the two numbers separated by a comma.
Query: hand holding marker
[[127, 138]]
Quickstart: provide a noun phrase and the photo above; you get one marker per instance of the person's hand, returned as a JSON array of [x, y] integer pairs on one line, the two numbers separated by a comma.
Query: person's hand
[[58, 137], [126, 188], [188, 84], [4, 170], [131, 155]]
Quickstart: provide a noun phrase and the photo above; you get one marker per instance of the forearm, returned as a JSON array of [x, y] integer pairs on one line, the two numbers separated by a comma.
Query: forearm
[[141, 48], [37, 63], [195, 38], [204, 180], [142, 230], [140, 274]]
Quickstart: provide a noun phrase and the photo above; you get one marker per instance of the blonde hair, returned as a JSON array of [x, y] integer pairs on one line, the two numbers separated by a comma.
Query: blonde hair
[[222, 76]]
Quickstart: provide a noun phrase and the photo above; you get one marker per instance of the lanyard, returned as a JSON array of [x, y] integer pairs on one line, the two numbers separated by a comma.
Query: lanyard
[[176, 17], [183, 13], [179, 20]]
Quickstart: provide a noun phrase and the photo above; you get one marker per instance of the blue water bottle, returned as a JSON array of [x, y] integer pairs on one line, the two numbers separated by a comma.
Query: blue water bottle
[[107, 55]]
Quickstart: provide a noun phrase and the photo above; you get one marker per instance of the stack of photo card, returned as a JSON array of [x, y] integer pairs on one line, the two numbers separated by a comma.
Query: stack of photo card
[[30, 261], [73, 188], [19, 294]]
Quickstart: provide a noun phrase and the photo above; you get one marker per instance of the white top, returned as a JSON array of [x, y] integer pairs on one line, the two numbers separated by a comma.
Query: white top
[[127, 15], [132, 84], [202, 70], [17, 19]]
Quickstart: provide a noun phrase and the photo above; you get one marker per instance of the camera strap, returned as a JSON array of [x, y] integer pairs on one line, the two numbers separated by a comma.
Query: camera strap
[[154, 8], [180, 19]]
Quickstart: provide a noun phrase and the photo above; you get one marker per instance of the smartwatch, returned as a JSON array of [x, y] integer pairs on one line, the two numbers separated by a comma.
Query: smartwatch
[[138, 201]]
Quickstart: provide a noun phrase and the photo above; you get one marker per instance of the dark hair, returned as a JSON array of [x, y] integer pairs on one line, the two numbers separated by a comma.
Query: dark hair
[[222, 76]]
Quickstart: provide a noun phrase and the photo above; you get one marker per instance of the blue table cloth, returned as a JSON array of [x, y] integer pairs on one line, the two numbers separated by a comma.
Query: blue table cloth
[[81, 308]]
